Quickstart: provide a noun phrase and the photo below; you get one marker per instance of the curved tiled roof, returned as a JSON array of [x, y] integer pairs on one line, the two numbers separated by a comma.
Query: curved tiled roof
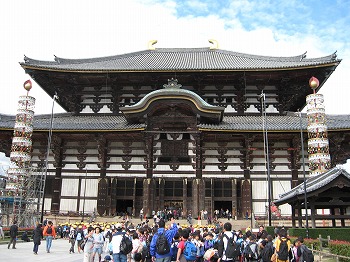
[[312, 183], [168, 59], [275, 123], [288, 122], [215, 112], [69, 122]]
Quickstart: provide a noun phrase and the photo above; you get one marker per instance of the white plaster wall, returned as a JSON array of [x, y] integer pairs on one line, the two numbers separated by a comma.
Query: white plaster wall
[[68, 205], [47, 203], [69, 187], [259, 190], [91, 187], [259, 208], [89, 206], [138, 167]]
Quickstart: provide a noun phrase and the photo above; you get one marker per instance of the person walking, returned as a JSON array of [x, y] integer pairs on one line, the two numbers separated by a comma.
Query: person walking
[[98, 241], [2, 235], [72, 236], [13, 235], [88, 247], [37, 236], [49, 233]]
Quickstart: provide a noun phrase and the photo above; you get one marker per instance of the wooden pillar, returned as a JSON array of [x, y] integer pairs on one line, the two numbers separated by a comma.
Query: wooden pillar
[[161, 182], [148, 196], [197, 197], [300, 216], [149, 154], [234, 198], [57, 145], [198, 145], [313, 213], [293, 217], [333, 219], [342, 221], [184, 197]]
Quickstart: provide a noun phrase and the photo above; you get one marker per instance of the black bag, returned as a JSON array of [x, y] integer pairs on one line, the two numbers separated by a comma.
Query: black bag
[[125, 245], [162, 245], [266, 252], [250, 252], [232, 249], [49, 230], [308, 256], [283, 253]]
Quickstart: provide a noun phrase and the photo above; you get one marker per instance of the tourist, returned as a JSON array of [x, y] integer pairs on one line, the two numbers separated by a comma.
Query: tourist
[[88, 247], [282, 245], [49, 233], [141, 214], [115, 244], [169, 234], [72, 236], [13, 235], [98, 242], [2, 235], [37, 236], [79, 237], [137, 246], [25, 237]]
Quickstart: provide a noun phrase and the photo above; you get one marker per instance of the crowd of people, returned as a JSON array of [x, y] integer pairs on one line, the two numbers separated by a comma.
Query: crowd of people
[[169, 241]]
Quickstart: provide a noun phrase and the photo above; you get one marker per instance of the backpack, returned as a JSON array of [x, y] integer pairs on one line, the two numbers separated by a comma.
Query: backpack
[[72, 234], [190, 251], [283, 253], [49, 230], [162, 244], [267, 252], [200, 251], [125, 245], [146, 254], [79, 236], [232, 250], [174, 249], [250, 252], [308, 256]]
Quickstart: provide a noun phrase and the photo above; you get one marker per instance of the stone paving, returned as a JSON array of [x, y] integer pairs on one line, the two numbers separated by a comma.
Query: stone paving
[[24, 250]]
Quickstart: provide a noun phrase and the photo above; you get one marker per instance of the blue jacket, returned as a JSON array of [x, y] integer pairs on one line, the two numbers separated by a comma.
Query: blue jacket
[[169, 235]]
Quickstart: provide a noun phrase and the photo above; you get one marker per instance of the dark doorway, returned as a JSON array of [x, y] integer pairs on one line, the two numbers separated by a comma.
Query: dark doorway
[[222, 206], [124, 207]]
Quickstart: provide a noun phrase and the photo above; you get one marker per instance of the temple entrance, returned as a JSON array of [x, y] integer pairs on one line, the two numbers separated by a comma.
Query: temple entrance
[[222, 206], [124, 207]]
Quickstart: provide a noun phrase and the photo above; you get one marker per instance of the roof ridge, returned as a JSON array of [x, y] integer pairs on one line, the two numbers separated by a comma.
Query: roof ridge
[[297, 58]]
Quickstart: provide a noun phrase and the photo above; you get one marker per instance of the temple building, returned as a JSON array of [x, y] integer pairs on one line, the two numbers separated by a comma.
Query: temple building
[[176, 128]]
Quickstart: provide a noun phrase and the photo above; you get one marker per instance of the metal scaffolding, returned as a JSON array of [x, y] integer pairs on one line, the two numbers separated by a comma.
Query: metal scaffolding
[[23, 187]]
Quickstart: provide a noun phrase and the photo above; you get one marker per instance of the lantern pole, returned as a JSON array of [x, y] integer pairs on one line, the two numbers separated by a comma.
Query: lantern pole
[[47, 156]]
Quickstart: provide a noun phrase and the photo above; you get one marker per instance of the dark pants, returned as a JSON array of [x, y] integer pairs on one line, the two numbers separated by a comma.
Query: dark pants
[[72, 243], [13, 241], [36, 247]]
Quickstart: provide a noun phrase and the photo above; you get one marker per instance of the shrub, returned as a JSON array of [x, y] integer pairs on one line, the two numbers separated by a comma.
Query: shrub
[[340, 248]]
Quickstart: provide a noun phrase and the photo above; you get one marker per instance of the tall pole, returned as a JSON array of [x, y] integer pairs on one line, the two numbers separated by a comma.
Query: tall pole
[[304, 176], [82, 219], [47, 157], [266, 140]]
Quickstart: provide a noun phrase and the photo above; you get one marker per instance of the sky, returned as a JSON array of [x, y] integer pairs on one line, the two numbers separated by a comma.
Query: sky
[[41, 29]]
